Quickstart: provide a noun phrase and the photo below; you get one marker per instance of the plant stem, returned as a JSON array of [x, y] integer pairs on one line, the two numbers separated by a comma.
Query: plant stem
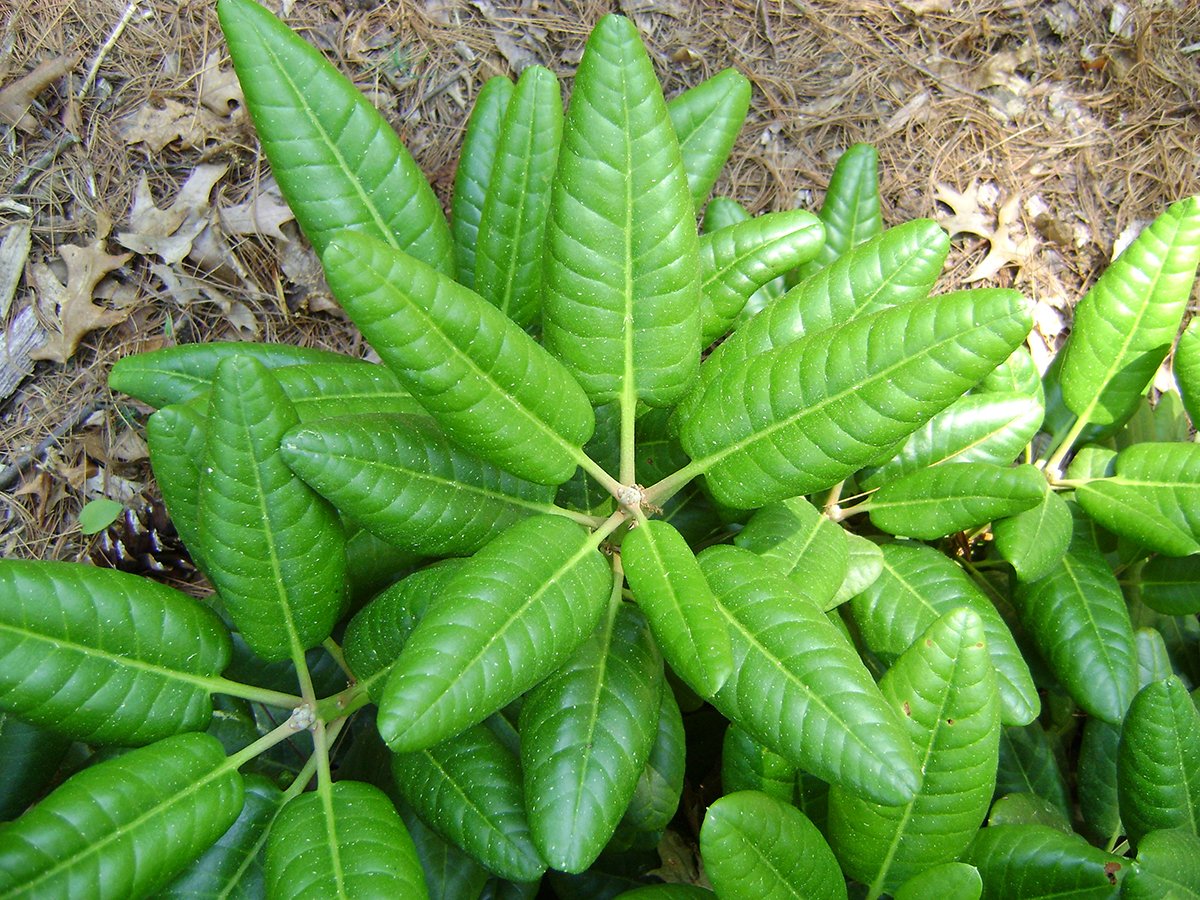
[[593, 468], [628, 470], [335, 651], [662, 491], [220, 685], [277, 735], [349, 701], [303, 675], [321, 745], [1064, 447]]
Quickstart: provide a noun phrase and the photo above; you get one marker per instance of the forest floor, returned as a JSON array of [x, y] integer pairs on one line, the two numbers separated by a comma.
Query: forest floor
[[136, 210]]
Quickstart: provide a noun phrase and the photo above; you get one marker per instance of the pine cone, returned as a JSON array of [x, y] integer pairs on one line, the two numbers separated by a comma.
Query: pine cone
[[144, 542]]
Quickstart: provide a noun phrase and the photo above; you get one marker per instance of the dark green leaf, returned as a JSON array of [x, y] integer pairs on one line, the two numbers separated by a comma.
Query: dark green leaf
[[473, 176], [1028, 765], [1029, 809], [1171, 585], [1096, 775], [658, 790], [746, 765], [177, 436], [1168, 865], [31, 757], [1186, 366], [1036, 861], [450, 874], [706, 120]]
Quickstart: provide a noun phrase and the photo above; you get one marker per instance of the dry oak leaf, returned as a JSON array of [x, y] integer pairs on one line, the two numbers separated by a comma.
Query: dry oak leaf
[[219, 88], [1007, 242], [169, 233], [263, 213], [16, 98], [156, 127], [68, 310]]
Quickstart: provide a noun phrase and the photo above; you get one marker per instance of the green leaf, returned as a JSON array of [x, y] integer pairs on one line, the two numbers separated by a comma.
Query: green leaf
[[1029, 809], [449, 872], [178, 374], [739, 260], [403, 479], [473, 177], [1153, 499], [259, 522], [706, 119], [658, 790], [1158, 761], [806, 546], [338, 163], [31, 757], [946, 689], [511, 615], [98, 514], [837, 398], [621, 307], [1028, 765], [863, 566], [1035, 861], [1036, 540], [1077, 617], [932, 503], [1168, 865], [1186, 366], [104, 656], [125, 827], [916, 587], [949, 881], [1171, 585], [746, 765], [232, 867], [756, 846], [177, 436], [348, 388], [1096, 776], [667, 892], [508, 261], [1016, 375], [992, 427], [586, 734], [343, 840], [826, 715], [1127, 321], [490, 386], [468, 790], [850, 209], [670, 589]]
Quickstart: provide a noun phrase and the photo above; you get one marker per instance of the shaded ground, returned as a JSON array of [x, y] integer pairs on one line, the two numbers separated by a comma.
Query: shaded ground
[[137, 212]]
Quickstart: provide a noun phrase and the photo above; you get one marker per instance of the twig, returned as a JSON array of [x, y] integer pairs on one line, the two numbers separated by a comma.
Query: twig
[[10, 473], [42, 163], [94, 69]]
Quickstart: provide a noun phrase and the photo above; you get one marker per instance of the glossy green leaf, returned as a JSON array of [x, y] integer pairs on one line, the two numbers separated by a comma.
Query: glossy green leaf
[[259, 522], [1036, 540], [104, 656], [660, 785], [343, 840], [586, 734], [1093, 461], [746, 765], [233, 866], [449, 872], [1168, 865], [337, 161], [1171, 585], [722, 212], [945, 687], [739, 260], [1036, 861], [1096, 781], [508, 255], [403, 479], [511, 615], [897, 267], [850, 210], [806, 546], [182, 373], [756, 846], [125, 827], [1158, 761], [1077, 617], [670, 589], [490, 386], [31, 757], [826, 715], [706, 119], [468, 789], [1028, 809], [991, 427], [177, 436], [1153, 498], [1016, 375], [864, 564], [473, 177], [1028, 765], [348, 388], [98, 514], [916, 587], [621, 307], [949, 881], [1126, 323], [805, 416], [1186, 366], [932, 503]]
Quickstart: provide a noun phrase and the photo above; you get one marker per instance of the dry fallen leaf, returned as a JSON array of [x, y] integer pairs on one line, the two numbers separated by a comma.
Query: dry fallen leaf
[[219, 88], [169, 233], [262, 213], [156, 127], [16, 98], [17, 344], [1007, 242], [967, 215], [68, 310]]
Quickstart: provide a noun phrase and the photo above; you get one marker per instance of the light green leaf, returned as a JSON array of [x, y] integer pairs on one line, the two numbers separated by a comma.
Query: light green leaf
[[490, 386], [805, 416], [621, 307], [104, 656], [1035, 861], [850, 209], [863, 565], [756, 846], [259, 522], [949, 881], [403, 479], [670, 589], [1016, 375], [1186, 366], [508, 261], [1168, 865], [706, 119], [586, 734], [946, 689], [125, 827], [511, 615], [1036, 540], [932, 503], [473, 177], [746, 765], [1153, 499], [1028, 809], [338, 163], [806, 546], [827, 716], [1127, 321], [658, 790], [98, 514], [1171, 585], [344, 840]]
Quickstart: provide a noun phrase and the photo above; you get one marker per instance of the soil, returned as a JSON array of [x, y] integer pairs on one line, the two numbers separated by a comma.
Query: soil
[[137, 212]]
